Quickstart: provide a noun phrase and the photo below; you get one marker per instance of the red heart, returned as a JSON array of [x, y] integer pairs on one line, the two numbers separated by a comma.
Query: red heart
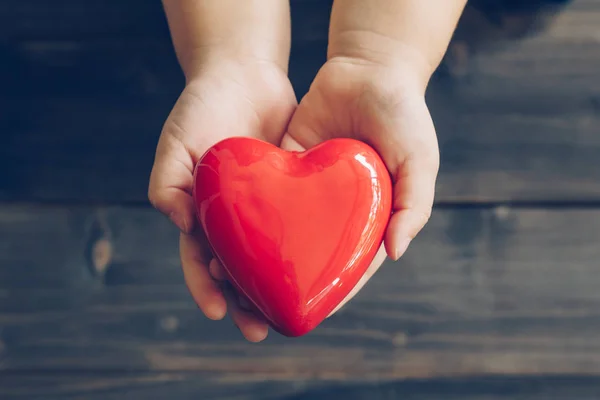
[[295, 231]]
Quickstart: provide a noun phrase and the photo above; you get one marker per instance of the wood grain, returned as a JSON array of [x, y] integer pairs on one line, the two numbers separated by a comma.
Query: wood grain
[[182, 386], [481, 291]]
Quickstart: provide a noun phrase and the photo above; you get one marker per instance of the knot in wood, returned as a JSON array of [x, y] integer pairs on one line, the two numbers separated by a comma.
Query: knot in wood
[[102, 251]]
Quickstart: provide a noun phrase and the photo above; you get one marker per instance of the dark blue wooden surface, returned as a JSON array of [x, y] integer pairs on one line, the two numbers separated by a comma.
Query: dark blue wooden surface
[[498, 298]]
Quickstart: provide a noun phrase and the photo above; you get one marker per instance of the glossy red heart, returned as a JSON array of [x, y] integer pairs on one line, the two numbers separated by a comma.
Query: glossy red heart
[[295, 231]]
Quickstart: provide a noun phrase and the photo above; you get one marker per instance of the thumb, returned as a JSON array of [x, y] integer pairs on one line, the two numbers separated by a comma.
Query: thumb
[[171, 182]]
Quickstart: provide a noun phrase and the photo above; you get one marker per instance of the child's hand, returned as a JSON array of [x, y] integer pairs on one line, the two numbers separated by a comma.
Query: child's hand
[[225, 99], [381, 56], [384, 107]]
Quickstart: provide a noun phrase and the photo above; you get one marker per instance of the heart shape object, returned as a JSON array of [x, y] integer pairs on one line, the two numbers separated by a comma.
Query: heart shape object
[[295, 231]]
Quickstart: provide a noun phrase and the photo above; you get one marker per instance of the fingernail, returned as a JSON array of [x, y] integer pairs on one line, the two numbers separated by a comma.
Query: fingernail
[[401, 248], [178, 220]]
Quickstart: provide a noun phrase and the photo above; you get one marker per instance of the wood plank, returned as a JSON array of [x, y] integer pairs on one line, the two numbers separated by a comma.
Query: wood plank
[[513, 388], [72, 19], [98, 150], [133, 386], [481, 291], [25, 19], [149, 386], [566, 54], [121, 68], [517, 125]]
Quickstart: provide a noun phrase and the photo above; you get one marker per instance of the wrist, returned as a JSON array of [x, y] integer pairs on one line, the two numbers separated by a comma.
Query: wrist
[[203, 31], [411, 34], [223, 61], [401, 60], [254, 78]]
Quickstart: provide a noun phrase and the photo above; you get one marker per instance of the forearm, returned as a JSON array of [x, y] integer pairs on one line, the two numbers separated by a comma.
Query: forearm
[[413, 32], [205, 30]]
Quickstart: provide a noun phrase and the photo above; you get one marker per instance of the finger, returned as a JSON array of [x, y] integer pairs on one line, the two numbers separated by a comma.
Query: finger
[[217, 271], [252, 327], [373, 268], [414, 190], [206, 292], [170, 185]]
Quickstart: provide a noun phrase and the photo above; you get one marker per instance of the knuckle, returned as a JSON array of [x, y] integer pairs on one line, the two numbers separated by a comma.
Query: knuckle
[[419, 162], [421, 219], [425, 155], [430, 156]]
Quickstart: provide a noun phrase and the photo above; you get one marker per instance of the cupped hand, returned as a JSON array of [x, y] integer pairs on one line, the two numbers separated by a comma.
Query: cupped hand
[[384, 106], [225, 99]]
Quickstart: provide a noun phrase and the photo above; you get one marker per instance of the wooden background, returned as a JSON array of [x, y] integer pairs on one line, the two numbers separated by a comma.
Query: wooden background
[[498, 298]]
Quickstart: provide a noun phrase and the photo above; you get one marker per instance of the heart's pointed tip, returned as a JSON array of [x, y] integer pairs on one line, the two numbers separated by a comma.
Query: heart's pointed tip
[[297, 326], [293, 331]]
